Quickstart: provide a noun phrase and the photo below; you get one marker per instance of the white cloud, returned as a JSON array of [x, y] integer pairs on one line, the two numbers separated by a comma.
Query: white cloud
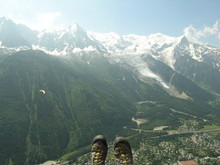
[[46, 20], [191, 33], [212, 31]]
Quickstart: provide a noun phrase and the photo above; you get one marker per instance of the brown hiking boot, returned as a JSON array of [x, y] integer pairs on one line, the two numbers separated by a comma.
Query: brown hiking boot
[[99, 150], [123, 152]]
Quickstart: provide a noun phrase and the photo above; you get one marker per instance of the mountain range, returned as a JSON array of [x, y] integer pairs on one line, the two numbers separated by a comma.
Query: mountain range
[[96, 83]]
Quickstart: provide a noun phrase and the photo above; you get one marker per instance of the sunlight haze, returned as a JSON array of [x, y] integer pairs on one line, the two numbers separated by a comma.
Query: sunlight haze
[[199, 18]]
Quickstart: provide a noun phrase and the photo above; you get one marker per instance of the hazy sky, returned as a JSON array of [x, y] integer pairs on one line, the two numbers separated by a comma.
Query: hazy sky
[[199, 19]]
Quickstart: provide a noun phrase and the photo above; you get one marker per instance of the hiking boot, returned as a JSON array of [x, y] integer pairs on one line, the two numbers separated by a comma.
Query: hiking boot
[[99, 150], [123, 152]]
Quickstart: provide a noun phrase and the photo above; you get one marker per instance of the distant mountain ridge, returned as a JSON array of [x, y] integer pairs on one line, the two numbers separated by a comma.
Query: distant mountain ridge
[[178, 53]]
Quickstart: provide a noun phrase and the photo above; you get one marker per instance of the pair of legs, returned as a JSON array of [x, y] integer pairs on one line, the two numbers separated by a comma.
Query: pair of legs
[[122, 151]]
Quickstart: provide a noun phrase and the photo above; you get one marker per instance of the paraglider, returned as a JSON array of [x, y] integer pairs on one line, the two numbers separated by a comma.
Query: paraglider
[[42, 91]]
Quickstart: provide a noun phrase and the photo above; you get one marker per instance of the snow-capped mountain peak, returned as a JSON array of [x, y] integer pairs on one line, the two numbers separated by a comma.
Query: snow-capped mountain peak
[[74, 28], [59, 32], [130, 50]]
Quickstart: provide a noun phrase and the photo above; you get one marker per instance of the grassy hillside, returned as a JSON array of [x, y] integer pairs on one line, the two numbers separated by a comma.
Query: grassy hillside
[[74, 108]]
